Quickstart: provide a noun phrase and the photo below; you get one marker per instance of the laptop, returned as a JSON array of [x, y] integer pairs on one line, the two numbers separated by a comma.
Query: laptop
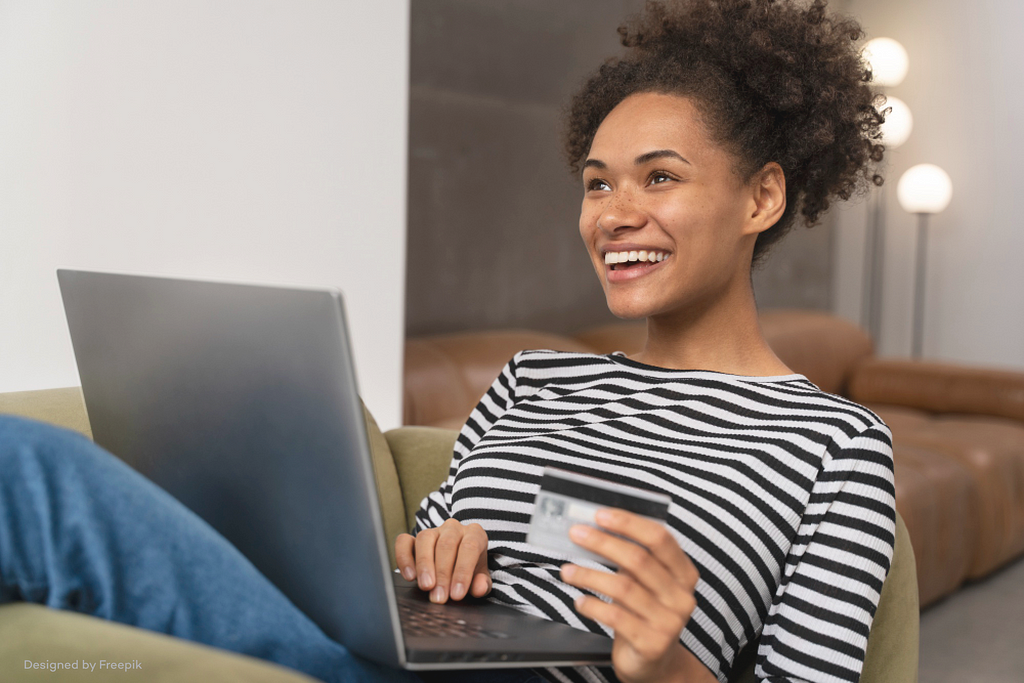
[[241, 401]]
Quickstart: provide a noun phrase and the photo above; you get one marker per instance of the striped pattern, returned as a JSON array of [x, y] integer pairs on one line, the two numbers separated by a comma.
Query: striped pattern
[[782, 496]]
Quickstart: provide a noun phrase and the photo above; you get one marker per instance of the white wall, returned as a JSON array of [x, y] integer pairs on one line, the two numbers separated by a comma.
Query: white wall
[[964, 90], [236, 139]]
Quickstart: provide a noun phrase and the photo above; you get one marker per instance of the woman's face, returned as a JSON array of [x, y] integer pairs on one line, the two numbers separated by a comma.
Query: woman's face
[[656, 187]]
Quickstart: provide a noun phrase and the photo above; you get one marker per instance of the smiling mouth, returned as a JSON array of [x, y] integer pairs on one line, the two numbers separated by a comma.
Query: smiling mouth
[[624, 260]]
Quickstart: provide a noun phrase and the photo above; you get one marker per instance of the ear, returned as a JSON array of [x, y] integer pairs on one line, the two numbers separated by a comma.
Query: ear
[[768, 195]]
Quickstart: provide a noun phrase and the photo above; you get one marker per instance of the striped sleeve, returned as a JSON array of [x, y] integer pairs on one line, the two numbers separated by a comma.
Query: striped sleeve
[[436, 507], [818, 624]]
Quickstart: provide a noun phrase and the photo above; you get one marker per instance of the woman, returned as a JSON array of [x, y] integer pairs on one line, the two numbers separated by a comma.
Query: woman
[[697, 151]]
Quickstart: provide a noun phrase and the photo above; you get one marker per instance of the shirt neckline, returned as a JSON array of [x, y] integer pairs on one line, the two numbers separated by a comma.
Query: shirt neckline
[[621, 358]]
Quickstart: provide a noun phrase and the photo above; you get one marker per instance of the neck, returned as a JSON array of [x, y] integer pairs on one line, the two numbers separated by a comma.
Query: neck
[[723, 336]]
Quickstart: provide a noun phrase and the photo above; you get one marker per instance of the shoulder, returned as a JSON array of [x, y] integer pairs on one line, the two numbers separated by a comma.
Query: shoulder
[[857, 419], [547, 361], [538, 368], [861, 442]]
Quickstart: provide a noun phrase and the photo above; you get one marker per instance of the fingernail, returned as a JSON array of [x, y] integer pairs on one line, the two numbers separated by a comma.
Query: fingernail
[[458, 591], [426, 580], [437, 595], [579, 531], [409, 574], [603, 517], [578, 602], [568, 571]]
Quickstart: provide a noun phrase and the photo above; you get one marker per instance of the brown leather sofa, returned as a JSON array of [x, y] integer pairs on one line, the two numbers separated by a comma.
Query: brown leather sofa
[[958, 432]]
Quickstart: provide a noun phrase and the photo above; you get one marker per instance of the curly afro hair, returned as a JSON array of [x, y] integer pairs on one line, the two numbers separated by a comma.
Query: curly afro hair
[[773, 80]]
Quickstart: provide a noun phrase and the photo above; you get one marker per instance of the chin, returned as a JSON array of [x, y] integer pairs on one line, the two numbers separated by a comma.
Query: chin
[[628, 310]]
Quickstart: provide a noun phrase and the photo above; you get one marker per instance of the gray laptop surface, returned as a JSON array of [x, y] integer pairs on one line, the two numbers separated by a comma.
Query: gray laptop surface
[[241, 401]]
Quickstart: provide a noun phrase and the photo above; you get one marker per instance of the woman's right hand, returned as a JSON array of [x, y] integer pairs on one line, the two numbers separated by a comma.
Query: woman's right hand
[[449, 561]]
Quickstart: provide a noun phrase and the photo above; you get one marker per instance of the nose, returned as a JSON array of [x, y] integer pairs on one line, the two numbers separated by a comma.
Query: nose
[[622, 212]]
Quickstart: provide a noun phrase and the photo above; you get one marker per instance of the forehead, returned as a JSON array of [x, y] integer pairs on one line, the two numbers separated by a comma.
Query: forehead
[[650, 121]]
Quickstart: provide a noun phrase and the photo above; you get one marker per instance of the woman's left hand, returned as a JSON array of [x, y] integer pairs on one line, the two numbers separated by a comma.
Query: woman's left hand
[[652, 596]]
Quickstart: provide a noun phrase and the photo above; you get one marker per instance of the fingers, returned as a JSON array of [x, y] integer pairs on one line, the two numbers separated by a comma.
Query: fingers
[[472, 546], [650, 639], [668, 613], [424, 549], [619, 587], [405, 556], [446, 552], [481, 578], [449, 560], [660, 576], [631, 558], [655, 537]]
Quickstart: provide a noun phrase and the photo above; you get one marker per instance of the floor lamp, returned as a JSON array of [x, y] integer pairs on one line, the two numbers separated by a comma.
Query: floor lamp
[[923, 190]]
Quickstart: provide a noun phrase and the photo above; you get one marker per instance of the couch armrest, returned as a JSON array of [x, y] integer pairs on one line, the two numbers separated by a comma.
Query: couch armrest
[[40, 634], [422, 457], [893, 642], [62, 407], [940, 387]]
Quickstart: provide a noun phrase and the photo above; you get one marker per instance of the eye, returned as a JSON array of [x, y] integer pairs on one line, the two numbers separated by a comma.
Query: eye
[[659, 177], [597, 185]]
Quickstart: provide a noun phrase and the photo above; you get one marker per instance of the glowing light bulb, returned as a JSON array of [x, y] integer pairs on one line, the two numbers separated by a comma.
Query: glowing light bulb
[[898, 123], [924, 188], [888, 61]]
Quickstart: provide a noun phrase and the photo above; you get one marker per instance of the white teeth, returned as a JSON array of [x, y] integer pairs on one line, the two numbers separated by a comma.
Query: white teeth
[[613, 257]]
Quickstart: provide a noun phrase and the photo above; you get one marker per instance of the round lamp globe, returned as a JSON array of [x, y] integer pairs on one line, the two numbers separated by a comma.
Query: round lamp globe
[[888, 61], [924, 188], [898, 123]]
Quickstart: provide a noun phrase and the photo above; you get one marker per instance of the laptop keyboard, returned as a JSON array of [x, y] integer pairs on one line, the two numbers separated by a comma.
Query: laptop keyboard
[[418, 619]]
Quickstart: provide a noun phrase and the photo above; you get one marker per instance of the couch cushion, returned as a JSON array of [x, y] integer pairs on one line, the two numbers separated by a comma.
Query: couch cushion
[[39, 634], [935, 495], [445, 375], [940, 387], [992, 450], [389, 488], [422, 457]]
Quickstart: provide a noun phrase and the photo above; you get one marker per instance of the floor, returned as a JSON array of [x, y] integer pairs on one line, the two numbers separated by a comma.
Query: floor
[[976, 635]]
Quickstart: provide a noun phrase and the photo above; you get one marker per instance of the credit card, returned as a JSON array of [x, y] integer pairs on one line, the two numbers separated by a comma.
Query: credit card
[[567, 498]]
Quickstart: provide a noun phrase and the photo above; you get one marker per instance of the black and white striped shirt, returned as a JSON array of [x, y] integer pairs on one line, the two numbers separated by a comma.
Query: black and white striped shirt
[[782, 496]]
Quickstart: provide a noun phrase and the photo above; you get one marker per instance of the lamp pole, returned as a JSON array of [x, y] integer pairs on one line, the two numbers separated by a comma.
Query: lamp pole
[[874, 251], [919, 273]]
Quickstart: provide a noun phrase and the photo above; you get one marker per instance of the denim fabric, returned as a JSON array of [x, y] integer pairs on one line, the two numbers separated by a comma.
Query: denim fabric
[[82, 531]]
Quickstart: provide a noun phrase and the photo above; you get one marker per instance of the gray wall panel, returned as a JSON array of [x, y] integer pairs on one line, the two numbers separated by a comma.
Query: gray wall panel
[[493, 211]]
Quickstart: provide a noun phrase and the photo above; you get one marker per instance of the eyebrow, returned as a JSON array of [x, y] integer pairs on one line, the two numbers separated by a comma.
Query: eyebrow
[[644, 158], [659, 154]]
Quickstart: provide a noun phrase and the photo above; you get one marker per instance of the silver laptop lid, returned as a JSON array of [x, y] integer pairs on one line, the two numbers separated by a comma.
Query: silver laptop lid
[[241, 402]]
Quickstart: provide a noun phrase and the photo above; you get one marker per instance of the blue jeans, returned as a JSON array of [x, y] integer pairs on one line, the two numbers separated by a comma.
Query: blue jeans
[[80, 530]]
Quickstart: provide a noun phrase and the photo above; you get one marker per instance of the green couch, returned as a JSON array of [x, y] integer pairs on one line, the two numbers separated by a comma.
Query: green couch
[[410, 462]]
